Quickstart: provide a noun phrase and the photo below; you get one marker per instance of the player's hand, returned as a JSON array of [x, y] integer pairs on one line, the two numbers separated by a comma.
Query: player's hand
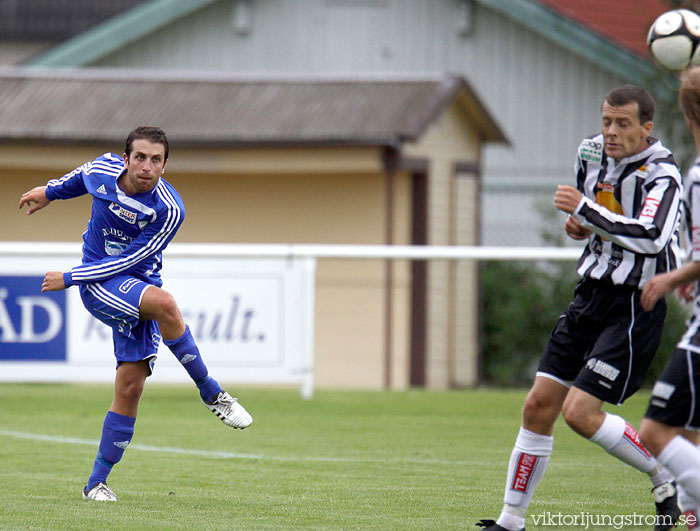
[[35, 198], [53, 281], [575, 230], [655, 289], [686, 292], [567, 198]]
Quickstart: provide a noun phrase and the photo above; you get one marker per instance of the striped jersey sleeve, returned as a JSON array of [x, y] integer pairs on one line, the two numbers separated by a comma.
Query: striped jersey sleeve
[[85, 179], [633, 210], [652, 227], [70, 185]]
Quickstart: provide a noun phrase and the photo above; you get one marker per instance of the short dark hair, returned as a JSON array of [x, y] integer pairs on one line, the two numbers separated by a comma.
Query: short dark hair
[[144, 132], [626, 94]]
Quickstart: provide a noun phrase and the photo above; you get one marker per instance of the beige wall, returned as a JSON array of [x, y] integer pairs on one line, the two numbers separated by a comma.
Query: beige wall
[[305, 195], [464, 369], [452, 328], [308, 208], [319, 208], [323, 205]]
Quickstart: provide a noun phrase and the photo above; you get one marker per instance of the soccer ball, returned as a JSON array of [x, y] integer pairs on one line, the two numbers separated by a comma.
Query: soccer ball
[[673, 39]]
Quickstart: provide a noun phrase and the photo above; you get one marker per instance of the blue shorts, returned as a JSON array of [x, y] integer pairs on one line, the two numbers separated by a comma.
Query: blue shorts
[[116, 303]]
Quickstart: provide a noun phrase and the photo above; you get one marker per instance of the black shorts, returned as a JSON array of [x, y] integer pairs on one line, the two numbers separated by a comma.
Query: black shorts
[[674, 400], [605, 341]]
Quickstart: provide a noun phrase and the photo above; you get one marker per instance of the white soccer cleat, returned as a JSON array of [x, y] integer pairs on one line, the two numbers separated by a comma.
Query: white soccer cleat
[[100, 492], [229, 411]]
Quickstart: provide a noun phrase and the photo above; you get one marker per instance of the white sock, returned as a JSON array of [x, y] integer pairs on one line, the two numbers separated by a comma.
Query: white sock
[[620, 439], [660, 475], [682, 459], [690, 508], [528, 462]]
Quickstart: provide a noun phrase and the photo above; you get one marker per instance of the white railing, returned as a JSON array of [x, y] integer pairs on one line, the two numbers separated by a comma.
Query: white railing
[[239, 282], [327, 251]]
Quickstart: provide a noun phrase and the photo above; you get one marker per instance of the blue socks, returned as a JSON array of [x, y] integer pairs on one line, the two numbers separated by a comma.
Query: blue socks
[[117, 432], [187, 353]]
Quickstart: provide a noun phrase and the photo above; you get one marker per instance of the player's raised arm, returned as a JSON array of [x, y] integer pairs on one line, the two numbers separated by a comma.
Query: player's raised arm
[[68, 186], [647, 231], [35, 198]]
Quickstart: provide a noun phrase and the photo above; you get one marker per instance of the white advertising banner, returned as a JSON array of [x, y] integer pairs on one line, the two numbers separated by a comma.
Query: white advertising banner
[[252, 319]]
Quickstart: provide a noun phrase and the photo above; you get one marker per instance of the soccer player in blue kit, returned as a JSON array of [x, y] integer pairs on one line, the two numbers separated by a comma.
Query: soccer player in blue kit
[[135, 214]]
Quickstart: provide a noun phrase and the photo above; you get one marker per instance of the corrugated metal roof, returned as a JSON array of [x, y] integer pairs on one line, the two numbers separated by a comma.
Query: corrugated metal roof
[[96, 105]]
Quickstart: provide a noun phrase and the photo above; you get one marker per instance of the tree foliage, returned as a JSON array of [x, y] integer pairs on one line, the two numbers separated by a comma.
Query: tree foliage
[[521, 302]]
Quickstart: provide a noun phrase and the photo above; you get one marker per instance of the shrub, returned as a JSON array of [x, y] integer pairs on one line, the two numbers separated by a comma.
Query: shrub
[[521, 302]]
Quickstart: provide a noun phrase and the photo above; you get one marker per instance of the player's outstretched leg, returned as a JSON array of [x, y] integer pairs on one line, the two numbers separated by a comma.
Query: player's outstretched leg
[[218, 401], [619, 438]]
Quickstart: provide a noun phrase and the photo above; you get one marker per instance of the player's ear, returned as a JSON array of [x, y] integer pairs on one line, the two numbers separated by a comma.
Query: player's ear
[[126, 160], [647, 128]]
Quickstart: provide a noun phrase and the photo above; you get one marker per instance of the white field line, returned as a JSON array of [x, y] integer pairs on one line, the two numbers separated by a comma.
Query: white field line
[[235, 455]]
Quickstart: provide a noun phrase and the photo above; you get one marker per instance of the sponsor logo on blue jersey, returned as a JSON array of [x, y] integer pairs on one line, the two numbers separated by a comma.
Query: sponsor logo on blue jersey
[[32, 324], [114, 248], [123, 213]]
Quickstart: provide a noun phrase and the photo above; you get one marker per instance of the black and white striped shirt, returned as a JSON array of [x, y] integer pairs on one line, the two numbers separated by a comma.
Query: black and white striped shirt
[[691, 226], [633, 208]]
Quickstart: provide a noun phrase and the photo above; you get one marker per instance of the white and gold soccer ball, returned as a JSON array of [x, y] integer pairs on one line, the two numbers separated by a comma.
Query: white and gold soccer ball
[[674, 39]]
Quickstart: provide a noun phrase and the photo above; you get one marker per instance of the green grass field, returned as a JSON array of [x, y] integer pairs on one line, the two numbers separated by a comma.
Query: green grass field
[[344, 460]]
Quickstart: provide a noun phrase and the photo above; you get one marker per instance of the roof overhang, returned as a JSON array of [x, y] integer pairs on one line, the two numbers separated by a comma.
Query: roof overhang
[[223, 110]]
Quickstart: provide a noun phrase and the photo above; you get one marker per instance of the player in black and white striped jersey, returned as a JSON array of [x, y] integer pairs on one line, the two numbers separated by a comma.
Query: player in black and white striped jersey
[[672, 420], [627, 205]]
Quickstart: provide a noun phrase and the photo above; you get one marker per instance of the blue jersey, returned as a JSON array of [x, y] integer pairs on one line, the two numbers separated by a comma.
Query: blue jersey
[[126, 234]]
